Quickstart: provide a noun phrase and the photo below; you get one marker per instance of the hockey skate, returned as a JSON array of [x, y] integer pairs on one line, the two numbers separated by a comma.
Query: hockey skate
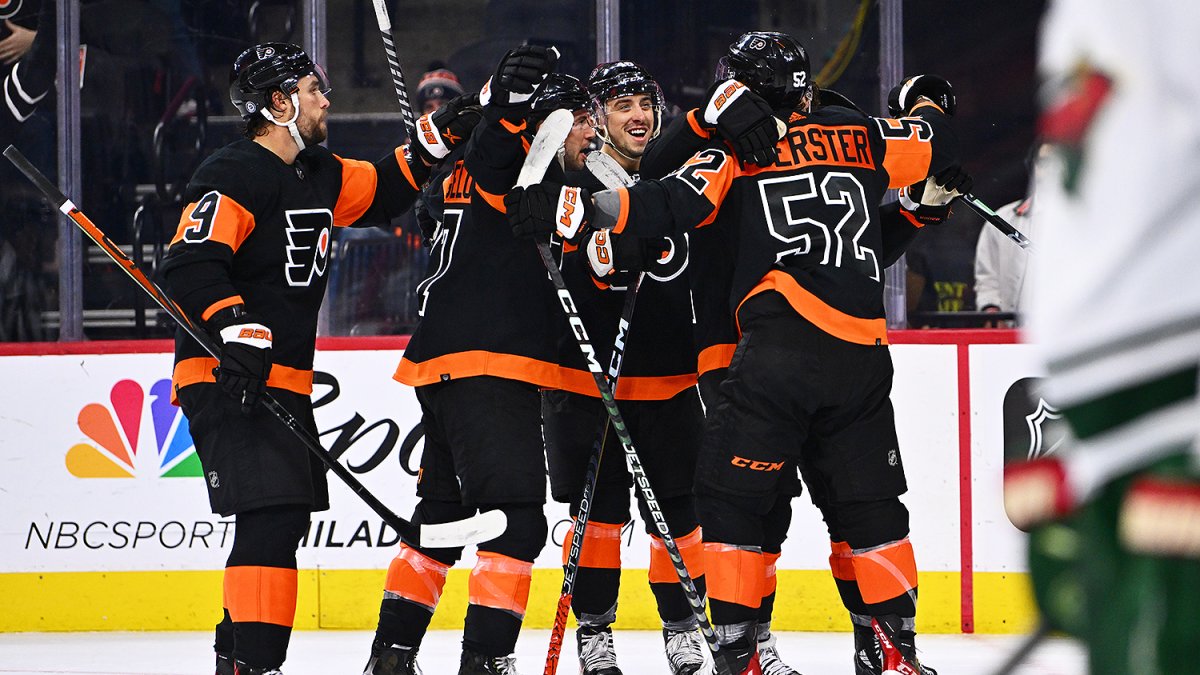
[[596, 654], [392, 660], [739, 657], [224, 664], [769, 660], [885, 649], [685, 651], [240, 668], [478, 664]]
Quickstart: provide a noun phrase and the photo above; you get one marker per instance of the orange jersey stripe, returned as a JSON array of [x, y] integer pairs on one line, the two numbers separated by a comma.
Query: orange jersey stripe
[[228, 223], [715, 358], [734, 574], [629, 387], [601, 548], [199, 369], [500, 582], [691, 549], [220, 305], [494, 201], [475, 363], [769, 576], [402, 160], [261, 594], [694, 123], [906, 159], [359, 180], [416, 577], [836, 323], [840, 562], [623, 212], [886, 572]]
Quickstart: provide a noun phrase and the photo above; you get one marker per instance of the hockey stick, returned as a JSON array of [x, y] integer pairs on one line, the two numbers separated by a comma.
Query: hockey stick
[[481, 527], [1001, 224], [552, 134], [612, 180], [389, 46]]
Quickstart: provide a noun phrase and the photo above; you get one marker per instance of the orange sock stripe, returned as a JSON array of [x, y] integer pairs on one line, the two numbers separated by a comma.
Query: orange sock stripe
[[416, 577], [261, 594], [500, 582], [886, 572], [735, 574], [601, 546], [841, 561], [769, 581], [691, 549]]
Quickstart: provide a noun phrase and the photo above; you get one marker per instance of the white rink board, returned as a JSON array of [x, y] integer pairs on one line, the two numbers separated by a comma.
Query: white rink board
[[149, 522]]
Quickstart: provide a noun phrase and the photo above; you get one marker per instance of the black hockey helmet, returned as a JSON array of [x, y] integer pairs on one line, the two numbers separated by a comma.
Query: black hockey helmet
[[559, 91], [623, 78], [264, 68], [773, 65]]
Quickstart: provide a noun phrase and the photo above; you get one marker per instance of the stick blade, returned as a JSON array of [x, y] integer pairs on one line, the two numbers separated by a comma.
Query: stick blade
[[545, 146], [476, 529]]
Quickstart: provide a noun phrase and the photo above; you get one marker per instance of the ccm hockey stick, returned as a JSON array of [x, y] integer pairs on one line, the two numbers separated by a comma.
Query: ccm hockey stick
[[1001, 224], [389, 46], [481, 527], [611, 179], [543, 150]]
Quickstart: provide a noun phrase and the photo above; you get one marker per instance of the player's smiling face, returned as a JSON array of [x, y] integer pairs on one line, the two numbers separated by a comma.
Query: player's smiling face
[[629, 121]]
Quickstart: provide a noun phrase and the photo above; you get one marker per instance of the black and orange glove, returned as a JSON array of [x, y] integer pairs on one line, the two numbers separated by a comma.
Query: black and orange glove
[[443, 130], [543, 209], [245, 362]]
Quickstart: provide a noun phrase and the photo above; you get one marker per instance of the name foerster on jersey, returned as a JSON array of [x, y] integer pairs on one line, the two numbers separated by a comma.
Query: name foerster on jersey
[[309, 233]]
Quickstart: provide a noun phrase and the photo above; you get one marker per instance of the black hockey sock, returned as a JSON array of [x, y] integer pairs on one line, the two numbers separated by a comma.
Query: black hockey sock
[[673, 606], [595, 598], [489, 631], [402, 622]]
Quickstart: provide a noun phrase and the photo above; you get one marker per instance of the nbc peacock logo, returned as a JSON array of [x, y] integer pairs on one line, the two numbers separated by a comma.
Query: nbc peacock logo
[[115, 430]]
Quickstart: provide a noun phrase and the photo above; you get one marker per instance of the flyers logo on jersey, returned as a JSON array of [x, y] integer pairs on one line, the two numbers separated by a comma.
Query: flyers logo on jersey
[[9, 8], [309, 235]]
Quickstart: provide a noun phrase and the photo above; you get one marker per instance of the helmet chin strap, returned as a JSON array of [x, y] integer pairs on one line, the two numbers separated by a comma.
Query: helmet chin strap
[[290, 124]]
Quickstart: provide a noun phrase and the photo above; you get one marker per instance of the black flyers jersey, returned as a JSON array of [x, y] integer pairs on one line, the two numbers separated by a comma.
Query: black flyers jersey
[[807, 226], [659, 360], [257, 231], [487, 306]]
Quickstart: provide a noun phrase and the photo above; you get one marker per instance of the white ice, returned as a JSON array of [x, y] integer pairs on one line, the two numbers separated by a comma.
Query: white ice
[[344, 653]]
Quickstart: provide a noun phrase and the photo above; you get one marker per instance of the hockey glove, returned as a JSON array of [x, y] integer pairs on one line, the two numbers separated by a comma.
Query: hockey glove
[[1161, 516], [548, 208], [608, 253], [245, 354], [745, 120], [904, 96], [507, 94], [1036, 492], [929, 201], [444, 129]]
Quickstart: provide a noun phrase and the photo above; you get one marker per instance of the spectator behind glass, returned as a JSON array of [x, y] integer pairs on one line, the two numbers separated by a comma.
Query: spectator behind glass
[[1000, 265], [437, 86]]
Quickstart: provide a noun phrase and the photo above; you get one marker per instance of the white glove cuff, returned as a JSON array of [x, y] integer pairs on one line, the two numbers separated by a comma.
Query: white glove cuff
[[253, 334], [600, 255], [725, 94], [568, 213], [430, 138]]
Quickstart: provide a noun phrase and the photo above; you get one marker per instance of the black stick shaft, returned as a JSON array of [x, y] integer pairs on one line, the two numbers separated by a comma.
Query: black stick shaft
[[584, 514], [407, 530], [389, 46], [999, 223], [631, 456]]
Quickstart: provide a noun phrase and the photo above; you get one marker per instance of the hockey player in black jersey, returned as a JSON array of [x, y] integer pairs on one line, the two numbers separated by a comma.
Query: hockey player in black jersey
[[810, 378], [656, 389], [485, 345], [249, 263]]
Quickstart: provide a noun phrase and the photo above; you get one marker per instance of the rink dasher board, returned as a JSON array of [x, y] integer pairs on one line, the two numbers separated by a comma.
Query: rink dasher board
[[66, 518]]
